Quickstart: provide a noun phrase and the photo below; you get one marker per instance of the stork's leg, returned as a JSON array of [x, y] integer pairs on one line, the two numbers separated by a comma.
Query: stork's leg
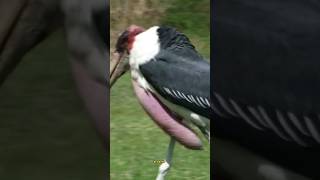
[[164, 167]]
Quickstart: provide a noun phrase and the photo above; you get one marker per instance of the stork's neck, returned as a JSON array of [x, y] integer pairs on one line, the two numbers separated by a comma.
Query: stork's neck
[[145, 47]]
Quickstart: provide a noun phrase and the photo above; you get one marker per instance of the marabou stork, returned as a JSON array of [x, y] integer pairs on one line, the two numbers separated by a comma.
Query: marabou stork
[[171, 80], [266, 88]]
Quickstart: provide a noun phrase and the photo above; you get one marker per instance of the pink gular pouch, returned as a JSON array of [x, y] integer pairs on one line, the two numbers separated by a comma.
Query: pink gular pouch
[[165, 120]]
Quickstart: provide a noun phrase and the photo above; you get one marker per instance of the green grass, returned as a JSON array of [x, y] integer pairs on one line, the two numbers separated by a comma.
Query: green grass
[[193, 19], [44, 130], [136, 141]]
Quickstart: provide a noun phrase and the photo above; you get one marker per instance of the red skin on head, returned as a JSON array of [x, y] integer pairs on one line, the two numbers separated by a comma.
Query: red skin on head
[[133, 31]]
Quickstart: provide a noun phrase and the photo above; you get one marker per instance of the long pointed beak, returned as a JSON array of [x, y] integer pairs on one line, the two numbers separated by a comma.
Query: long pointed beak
[[118, 67]]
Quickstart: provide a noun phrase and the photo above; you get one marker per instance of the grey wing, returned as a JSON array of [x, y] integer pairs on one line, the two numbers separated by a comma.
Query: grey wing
[[181, 81]]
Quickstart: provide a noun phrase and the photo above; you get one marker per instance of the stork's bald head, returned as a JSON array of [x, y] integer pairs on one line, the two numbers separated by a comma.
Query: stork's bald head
[[118, 64], [126, 39]]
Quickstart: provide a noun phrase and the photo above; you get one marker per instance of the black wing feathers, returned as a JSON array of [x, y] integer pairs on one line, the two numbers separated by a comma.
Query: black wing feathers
[[177, 43], [180, 80]]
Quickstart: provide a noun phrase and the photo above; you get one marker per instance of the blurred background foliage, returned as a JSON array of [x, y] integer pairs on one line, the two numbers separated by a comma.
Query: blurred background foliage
[[45, 132], [189, 17], [135, 140]]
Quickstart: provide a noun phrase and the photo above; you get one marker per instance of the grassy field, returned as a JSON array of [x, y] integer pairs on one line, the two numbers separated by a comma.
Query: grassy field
[[45, 133], [135, 140]]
